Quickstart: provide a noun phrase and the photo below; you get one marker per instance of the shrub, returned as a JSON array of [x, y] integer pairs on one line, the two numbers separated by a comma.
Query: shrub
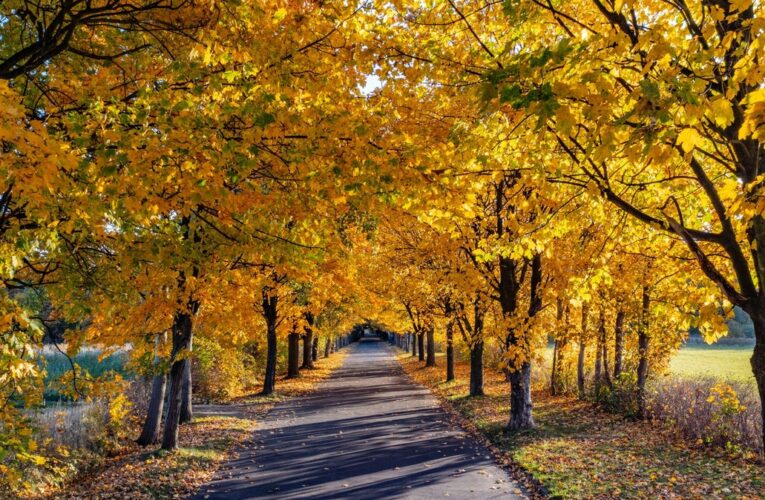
[[222, 373], [708, 411], [621, 396]]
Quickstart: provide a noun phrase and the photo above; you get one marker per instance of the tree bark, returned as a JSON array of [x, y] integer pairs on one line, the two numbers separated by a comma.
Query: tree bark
[[580, 375], [421, 346], [308, 343], [520, 399], [758, 361], [619, 344], [560, 343], [182, 327], [476, 368], [270, 314], [450, 351], [187, 410], [315, 349], [431, 358], [599, 354], [293, 354], [643, 346], [414, 345], [327, 346], [150, 433]]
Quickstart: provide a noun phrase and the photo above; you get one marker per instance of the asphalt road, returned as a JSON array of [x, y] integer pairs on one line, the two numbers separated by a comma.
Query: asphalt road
[[367, 432]]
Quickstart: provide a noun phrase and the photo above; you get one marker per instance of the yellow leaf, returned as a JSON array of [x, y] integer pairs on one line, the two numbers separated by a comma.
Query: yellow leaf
[[688, 139], [722, 112]]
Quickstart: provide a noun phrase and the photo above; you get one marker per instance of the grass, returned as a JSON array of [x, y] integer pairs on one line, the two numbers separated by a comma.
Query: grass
[[717, 361], [206, 443], [726, 362], [579, 451]]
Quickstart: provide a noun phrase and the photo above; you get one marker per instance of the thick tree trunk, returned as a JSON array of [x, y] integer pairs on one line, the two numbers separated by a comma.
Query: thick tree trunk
[[450, 351], [307, 351], [520, 399], [315, 349], [758, 362], [618, 344], [327, 346], [187, 410], [414, 345], [150, 433], [293, 354], [421, 346], [182, 327], [270, 311], [152, 425], [476, 369], [308, 343], [643, 346], [431, 359]]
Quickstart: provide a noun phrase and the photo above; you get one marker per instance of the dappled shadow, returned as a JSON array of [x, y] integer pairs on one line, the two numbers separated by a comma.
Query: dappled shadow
[[368, 432]]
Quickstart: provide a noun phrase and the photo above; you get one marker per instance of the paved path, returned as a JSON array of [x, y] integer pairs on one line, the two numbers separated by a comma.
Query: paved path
[[368, 432]]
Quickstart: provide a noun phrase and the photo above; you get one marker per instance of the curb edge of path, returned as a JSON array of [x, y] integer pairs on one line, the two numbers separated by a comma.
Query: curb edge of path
[[530, 486]]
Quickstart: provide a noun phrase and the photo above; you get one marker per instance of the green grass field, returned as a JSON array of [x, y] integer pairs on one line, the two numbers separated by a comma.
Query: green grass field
[[726, 362]]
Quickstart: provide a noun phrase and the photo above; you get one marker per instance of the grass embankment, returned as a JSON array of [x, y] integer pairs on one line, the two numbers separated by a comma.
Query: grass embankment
[[579, 451], [206, 443]]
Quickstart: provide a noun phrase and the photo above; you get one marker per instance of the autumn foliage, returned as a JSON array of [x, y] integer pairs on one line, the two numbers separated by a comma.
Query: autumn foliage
[[212, 183]]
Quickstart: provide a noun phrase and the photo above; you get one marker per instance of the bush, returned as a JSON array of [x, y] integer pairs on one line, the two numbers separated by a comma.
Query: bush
[[621, 396], [707, 411], [221, 373]]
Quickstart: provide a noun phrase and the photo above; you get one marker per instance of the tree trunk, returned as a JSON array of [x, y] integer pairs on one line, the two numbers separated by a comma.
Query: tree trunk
[[758, 361], [450, 351], [599, 354], [556, 383], [293, 354], [580, 375], [182, 327], [315, 349], [618, 344], [327, 346], [414, 345], [604, 347], [187, 410], [560, 339], [421, 346], [150, 433], [520, 399], [308, 343], [431, 360], [270, 314], [476, 369], [643, 338]]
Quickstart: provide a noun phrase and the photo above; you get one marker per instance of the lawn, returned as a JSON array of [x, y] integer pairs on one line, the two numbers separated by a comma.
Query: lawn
[[719, 361], [726, 362]]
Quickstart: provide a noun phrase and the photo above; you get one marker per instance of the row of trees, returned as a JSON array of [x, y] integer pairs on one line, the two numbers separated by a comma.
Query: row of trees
[[514, 170]]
